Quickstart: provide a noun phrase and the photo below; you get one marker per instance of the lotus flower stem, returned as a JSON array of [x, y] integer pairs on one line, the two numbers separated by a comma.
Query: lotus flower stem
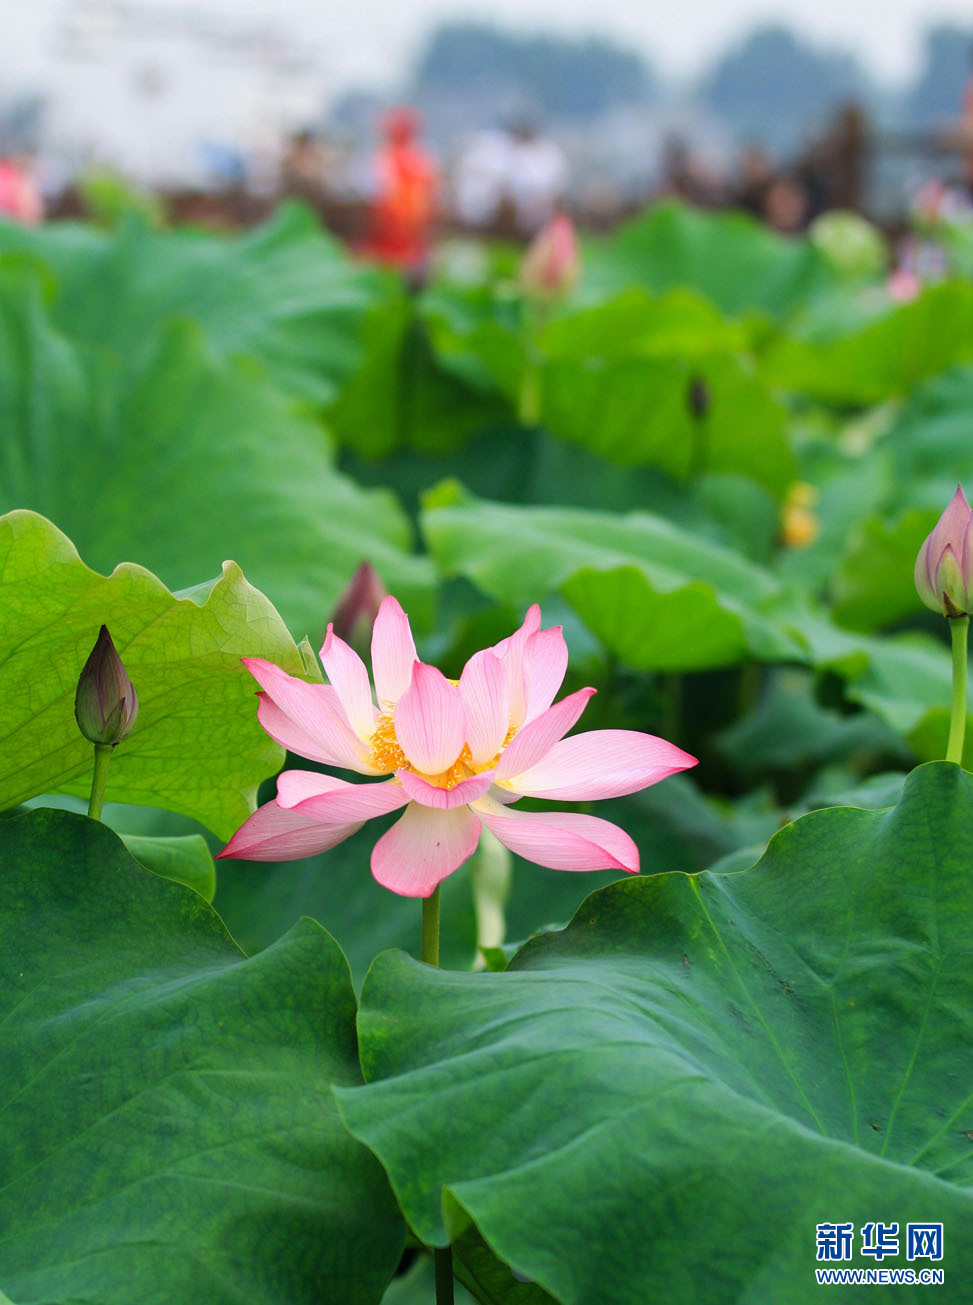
[[99, 779], [430, 928], [443, 1262], [442, 1255], [958, 628]]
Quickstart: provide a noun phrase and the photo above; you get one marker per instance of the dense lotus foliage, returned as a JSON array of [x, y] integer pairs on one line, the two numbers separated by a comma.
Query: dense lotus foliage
[[719, 462]]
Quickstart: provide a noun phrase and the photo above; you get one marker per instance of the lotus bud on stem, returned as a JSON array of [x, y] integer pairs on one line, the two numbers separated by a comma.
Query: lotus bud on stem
[[944, 582], [354, 616], [548, 270], [551, 264], [105, 707]]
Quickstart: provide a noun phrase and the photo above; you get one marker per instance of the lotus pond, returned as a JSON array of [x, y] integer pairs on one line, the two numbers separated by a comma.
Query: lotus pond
[[697, 483]]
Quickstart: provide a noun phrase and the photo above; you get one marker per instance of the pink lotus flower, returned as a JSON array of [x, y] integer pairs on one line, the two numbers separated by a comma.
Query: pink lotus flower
[[551, 264], [944, 566], [458, 753]]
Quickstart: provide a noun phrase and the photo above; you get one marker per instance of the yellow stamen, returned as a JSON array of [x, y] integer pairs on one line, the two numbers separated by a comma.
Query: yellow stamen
[[387, 755], [386, 751], [462, 768]]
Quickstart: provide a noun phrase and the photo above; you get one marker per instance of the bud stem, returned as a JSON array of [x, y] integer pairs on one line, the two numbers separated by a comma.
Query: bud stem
[[529, 402], [443, 1260], [958, 629], [529, 399], [430, 928], [699, 449], [99, 779], [442, 1255]]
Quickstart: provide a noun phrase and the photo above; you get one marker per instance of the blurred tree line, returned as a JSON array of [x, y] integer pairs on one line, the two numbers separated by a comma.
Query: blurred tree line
[[774, 84], [564, 78]]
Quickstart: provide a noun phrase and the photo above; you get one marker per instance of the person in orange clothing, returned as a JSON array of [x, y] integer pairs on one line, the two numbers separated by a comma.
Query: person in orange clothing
[[403, 206]]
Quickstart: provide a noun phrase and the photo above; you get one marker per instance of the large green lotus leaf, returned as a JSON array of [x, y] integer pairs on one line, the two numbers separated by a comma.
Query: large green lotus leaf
[[284, 291], [635, 410], [915, 465], [168, 1130], [479, 335], [887, 357], [441, 413], [788, 730], [187, 462], [677, 324], [368, 414], [184, 858], [874, 585], [630, 410], [664, 1100], [483, 334], [729, 258], [615, 378], [928, 447], [847, 487], [675, 828], [658, 596], [196, 746], [442, 399], [905, 680]]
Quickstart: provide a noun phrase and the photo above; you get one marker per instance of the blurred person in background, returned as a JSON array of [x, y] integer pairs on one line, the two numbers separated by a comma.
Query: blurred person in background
[[20, 196], [786, 204], [403, 197], [756, 174], [537, 177], [845, 151], [691, 174], [480, 178], [304, 167]]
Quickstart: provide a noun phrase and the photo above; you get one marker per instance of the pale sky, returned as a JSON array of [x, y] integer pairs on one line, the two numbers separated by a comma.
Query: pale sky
[[141, 84], [373, 40]]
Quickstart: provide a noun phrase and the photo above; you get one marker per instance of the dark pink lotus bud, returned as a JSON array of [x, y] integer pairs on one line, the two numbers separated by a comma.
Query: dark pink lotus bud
[[357, 608], [106, 704], [698, 398], [551, 264], [944, 567]]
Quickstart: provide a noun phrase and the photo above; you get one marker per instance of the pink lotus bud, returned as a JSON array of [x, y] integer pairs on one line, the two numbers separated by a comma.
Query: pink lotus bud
[[551, 264], [698, 398], [106, 704], [903, 285], [357, 608], [944, 567]]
